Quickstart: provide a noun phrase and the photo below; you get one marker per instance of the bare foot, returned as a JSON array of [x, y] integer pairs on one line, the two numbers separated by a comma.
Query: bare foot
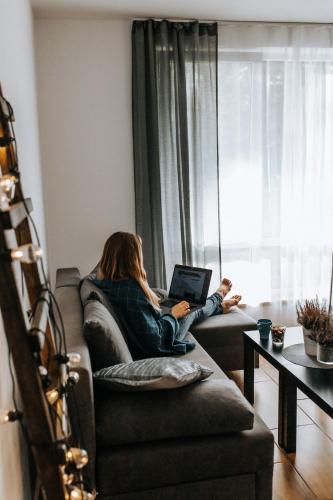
[[224, 287], [227, 304]]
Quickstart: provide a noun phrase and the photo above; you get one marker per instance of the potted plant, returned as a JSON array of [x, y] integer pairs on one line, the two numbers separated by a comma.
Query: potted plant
[[310, 315], [324, 336]]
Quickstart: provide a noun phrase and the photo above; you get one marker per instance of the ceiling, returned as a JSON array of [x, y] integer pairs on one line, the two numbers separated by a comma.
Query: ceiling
[[320, 11]]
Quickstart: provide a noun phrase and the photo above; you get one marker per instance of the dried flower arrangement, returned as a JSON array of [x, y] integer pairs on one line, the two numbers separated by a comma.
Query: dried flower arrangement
[[312, 315], [324, 333]]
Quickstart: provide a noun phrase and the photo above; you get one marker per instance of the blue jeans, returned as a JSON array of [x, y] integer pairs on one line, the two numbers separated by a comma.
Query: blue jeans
[[211, 308]]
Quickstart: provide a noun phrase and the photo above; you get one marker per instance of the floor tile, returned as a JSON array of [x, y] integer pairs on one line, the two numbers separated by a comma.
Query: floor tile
[[288, 485], [313, 460]]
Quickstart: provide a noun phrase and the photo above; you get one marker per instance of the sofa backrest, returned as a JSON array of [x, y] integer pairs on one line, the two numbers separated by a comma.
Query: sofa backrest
[[67, 294]]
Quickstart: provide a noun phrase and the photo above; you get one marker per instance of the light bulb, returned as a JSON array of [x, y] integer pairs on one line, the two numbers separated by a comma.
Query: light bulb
[[88, 496], [7, 184], [9, 416], [4, 416], [73, 378], [52, 396], [27, 253], [4, 205], [68, 477], [78, 456], [63, 374], [46, 381], [78, 494], [42, 371], [74, 358]]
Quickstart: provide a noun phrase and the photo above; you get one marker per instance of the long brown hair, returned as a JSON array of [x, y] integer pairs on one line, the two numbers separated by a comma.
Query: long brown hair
[[122, 258]]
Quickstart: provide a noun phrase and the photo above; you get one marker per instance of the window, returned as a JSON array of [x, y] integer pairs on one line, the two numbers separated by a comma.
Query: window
[[276, 159]]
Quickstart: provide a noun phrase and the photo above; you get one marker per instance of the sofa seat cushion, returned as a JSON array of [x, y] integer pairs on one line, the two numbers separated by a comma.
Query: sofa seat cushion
[[223, 329], [208, 407], [178, 461], [107, 345], [199, 355]]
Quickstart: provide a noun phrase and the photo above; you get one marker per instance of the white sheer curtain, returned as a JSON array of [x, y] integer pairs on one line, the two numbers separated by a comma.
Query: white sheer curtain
[[275, 86]]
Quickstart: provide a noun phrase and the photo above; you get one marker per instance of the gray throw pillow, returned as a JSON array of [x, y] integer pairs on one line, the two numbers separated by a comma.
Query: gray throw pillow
[[93, 273], [106, 343], [90, 291], [151, 374]]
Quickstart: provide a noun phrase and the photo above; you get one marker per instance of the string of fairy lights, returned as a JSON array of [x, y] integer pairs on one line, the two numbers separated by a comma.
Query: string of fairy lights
[[71, 459]]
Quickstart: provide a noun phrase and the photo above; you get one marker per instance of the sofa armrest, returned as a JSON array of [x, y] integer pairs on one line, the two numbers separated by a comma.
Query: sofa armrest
[[204, 408], [81, 397], [208, 332], [67, 276]]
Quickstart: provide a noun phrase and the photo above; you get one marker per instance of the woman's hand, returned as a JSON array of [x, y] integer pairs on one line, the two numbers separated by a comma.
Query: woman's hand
[[181, 309]]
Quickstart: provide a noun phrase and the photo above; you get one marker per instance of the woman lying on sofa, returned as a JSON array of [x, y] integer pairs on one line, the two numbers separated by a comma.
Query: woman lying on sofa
[[121, 276]]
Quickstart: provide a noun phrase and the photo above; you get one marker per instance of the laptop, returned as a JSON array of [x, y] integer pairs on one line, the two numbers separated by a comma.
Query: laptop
[[190, 284]]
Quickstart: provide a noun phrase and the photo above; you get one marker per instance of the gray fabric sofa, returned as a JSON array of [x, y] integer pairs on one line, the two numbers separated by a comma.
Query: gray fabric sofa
[[201, 442]]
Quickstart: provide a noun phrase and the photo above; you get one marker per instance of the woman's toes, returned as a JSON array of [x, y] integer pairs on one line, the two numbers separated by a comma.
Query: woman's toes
[[227, 283], [224, 287]]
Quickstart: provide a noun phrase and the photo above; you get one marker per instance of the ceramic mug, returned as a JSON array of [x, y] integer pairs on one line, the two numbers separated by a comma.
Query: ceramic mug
[[264, 327]]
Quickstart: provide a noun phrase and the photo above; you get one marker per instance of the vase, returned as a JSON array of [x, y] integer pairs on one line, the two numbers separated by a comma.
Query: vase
[[310, 345], [325, 354]]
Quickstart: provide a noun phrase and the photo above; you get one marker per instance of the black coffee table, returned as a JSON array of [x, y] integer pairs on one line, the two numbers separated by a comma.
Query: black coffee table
[[317, 384]]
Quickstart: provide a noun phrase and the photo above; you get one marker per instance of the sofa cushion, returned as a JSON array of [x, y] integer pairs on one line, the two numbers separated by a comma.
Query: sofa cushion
[[159, 464], [225, 488], [199, 355], [106, 342], [151, 374], [89, 291], [211, 407], [222, 328]]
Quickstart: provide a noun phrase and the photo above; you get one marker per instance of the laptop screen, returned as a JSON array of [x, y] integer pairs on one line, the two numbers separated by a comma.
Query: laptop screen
[[190, 283]]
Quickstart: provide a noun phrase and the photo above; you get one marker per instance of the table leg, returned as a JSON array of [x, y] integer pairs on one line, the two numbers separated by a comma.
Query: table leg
[[287, 413], [248, 371]]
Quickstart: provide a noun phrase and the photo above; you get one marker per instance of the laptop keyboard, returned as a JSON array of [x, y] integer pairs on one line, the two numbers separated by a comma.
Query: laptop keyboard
[[168, 303], [171, 303]]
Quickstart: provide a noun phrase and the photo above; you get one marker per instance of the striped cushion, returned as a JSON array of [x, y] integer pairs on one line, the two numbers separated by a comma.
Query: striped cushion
[[151, 374]]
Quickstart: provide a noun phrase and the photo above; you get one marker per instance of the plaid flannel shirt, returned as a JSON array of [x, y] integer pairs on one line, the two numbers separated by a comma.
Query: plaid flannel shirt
[[150, 333]]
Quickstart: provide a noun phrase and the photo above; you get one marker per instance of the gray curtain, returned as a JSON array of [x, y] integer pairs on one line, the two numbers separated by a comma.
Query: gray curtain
[[175, 145]]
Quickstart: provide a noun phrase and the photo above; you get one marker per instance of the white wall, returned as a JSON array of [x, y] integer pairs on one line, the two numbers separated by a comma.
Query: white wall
[[17, 78], [84, 97]]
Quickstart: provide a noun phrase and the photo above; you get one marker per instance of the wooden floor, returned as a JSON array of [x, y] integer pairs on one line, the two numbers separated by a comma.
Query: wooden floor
[[308, 473]]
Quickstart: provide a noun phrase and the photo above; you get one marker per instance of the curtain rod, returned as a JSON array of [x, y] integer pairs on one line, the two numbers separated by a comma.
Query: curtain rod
[[278, 23], [221, 21]]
